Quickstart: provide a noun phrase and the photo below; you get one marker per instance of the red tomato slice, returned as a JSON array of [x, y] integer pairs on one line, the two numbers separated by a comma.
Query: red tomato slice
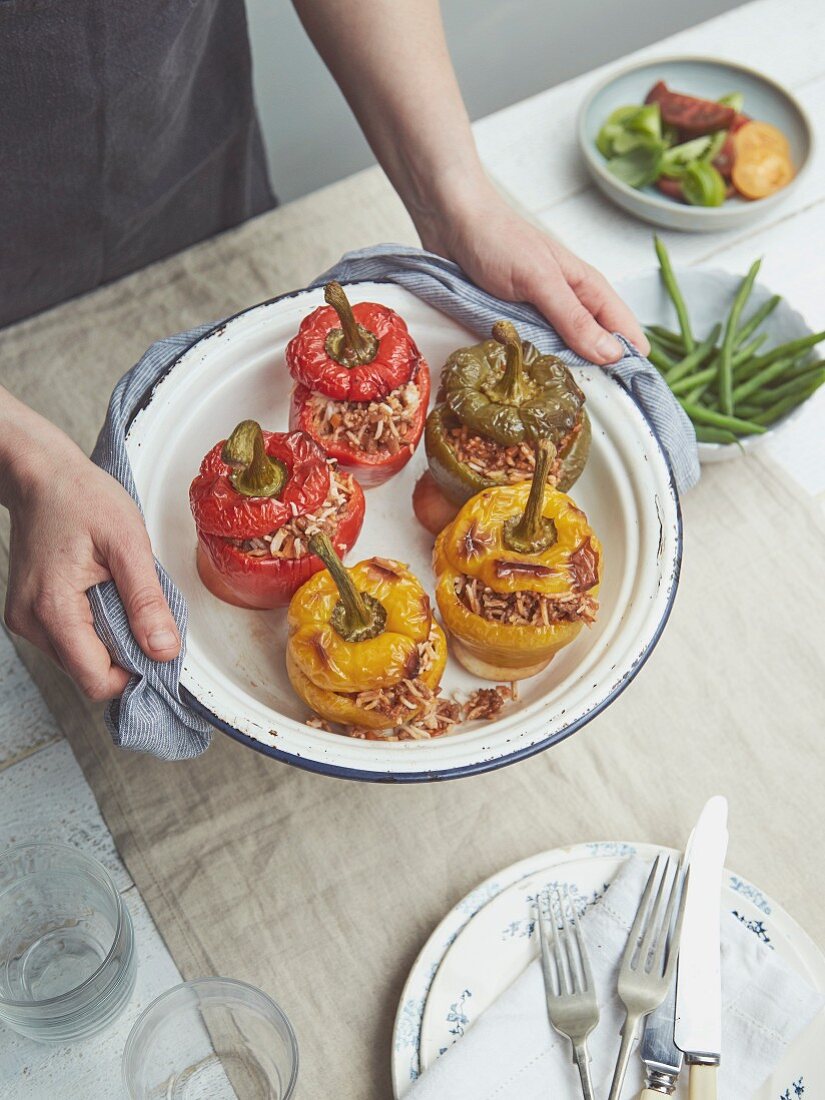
[[691, 115], [671, 188]]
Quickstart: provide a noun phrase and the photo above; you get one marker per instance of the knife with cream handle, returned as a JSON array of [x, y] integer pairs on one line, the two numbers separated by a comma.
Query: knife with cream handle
[[698, 1022]]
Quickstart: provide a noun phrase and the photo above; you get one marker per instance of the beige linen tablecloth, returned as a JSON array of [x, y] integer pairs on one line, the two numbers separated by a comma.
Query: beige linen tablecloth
[[322, 891]]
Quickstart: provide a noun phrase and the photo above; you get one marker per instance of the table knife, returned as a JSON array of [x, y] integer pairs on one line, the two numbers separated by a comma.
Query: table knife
[[698, 1023], [661, 1056]]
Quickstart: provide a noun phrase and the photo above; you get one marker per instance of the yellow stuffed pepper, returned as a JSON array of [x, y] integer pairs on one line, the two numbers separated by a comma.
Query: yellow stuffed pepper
[[364, 649], [518, 574]]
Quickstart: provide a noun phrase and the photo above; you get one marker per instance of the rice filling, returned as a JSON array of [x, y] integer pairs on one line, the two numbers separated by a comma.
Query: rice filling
[[292, 540], [524, 608], [505, 463], [372, 427]]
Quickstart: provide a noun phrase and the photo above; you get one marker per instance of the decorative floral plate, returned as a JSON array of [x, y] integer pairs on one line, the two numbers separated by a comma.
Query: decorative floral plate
[[487, 940]]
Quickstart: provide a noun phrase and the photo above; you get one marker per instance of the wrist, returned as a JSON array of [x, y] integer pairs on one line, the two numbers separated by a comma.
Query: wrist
[[30, 447], [459, 196]]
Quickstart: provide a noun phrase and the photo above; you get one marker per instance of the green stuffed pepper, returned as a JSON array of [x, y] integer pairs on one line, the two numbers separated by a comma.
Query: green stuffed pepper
[[496, 399]]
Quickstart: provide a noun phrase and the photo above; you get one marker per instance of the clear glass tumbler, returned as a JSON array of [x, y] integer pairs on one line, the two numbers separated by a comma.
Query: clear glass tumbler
[[211, 1039], [67, 953]]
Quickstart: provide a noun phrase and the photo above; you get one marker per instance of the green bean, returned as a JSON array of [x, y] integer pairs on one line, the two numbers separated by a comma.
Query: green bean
[[748, 410], [774, 412], [738, 358], [687, 385], [676, 351], [660, 359], [757, 381], [694, 358], [790, 348], [799, 384], [713, 435], [720, 420], [725, 368], [672, 288], [744, 354], [756, 319], [666, 335]]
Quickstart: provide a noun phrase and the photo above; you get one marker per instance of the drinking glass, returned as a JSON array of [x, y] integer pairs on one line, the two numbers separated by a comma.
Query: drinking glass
[[211, 1039], [67, 953]]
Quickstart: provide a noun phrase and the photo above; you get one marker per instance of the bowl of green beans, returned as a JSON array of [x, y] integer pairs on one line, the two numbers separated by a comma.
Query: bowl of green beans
[[739, 360]]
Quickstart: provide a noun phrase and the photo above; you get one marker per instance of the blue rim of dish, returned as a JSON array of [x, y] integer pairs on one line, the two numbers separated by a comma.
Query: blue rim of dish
[[337, 771], [596, 163]]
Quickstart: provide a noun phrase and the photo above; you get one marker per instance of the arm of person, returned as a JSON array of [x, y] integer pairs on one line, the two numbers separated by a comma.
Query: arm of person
[[392, 64], [73, 526]]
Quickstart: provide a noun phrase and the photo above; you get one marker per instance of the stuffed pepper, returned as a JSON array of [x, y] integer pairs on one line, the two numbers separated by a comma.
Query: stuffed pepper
[[496, 398], [257, 500], [518, 575], [364, 649], [362, 386]]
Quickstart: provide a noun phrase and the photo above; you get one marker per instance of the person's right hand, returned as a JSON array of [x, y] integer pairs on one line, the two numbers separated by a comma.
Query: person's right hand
[[73, 526]]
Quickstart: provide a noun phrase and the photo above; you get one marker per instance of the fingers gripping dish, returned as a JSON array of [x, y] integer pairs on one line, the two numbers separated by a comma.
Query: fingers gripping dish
[[518, 574], [364, 649], [362, 385], [257, 499], [495, 398]]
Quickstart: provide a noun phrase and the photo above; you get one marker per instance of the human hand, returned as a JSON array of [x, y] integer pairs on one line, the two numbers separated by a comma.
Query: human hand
[[513, 259], [73, 526]]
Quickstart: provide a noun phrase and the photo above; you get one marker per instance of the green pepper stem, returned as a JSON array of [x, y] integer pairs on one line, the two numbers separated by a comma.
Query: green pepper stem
[[355, 344], [256, 474], [511, 388], [357, 615], [532, 532]]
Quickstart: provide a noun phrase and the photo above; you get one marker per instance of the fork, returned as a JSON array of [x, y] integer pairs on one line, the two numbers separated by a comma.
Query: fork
[[649, 960], [568, 983]]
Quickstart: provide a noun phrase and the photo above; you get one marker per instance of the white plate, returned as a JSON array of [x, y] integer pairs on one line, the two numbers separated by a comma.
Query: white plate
[[709, 294], [234, 668], [709, 78], [487, 940]]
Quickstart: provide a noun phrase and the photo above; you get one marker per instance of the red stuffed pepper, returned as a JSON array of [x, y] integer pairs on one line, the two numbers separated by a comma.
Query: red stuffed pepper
[[258, 498], [362, 385]]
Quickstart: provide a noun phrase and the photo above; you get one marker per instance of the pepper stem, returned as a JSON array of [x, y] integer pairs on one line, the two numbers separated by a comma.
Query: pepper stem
[[351, 344], [357, 616], [256, 474], [532, 532], [511, 389]]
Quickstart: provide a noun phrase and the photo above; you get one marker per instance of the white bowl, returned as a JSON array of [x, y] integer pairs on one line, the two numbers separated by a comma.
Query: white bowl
[[709, 294], [709, 78], [234, 671]]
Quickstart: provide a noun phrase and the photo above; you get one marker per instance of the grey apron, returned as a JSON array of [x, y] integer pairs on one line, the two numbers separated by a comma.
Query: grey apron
[[127, 132]]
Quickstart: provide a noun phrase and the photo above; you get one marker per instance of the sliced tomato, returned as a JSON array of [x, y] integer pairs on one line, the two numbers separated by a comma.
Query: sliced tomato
[[759, 136], [690, 115], [671, 188], [759, 173], [723, 161]]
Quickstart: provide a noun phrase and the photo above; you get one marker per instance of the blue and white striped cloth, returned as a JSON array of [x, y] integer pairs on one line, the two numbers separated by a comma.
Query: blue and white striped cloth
[[151, 716]]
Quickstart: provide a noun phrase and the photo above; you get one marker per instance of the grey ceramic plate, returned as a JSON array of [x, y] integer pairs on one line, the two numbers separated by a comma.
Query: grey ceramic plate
[[710, 78]]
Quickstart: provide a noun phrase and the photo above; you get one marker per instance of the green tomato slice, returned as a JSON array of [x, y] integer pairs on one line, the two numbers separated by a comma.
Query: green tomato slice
[[638, 167], [733, 99], [677, 158], [703, 185]]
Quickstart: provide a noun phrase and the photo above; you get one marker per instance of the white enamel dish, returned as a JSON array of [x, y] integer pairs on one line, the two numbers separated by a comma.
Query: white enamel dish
[[234, 670], [486, 940]]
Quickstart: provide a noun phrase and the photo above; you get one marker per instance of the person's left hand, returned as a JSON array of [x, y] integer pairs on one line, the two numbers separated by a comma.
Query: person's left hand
[[513, 259]]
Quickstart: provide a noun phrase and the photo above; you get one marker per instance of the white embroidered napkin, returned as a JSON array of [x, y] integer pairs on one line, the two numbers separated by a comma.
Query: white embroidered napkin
[[512, 1053]]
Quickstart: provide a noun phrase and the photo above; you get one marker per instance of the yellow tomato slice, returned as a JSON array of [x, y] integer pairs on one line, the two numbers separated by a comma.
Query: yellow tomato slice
[[761, 173], [760, 137]]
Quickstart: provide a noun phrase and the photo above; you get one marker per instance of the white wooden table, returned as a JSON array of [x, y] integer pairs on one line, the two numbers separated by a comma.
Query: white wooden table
[[530, 151]]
